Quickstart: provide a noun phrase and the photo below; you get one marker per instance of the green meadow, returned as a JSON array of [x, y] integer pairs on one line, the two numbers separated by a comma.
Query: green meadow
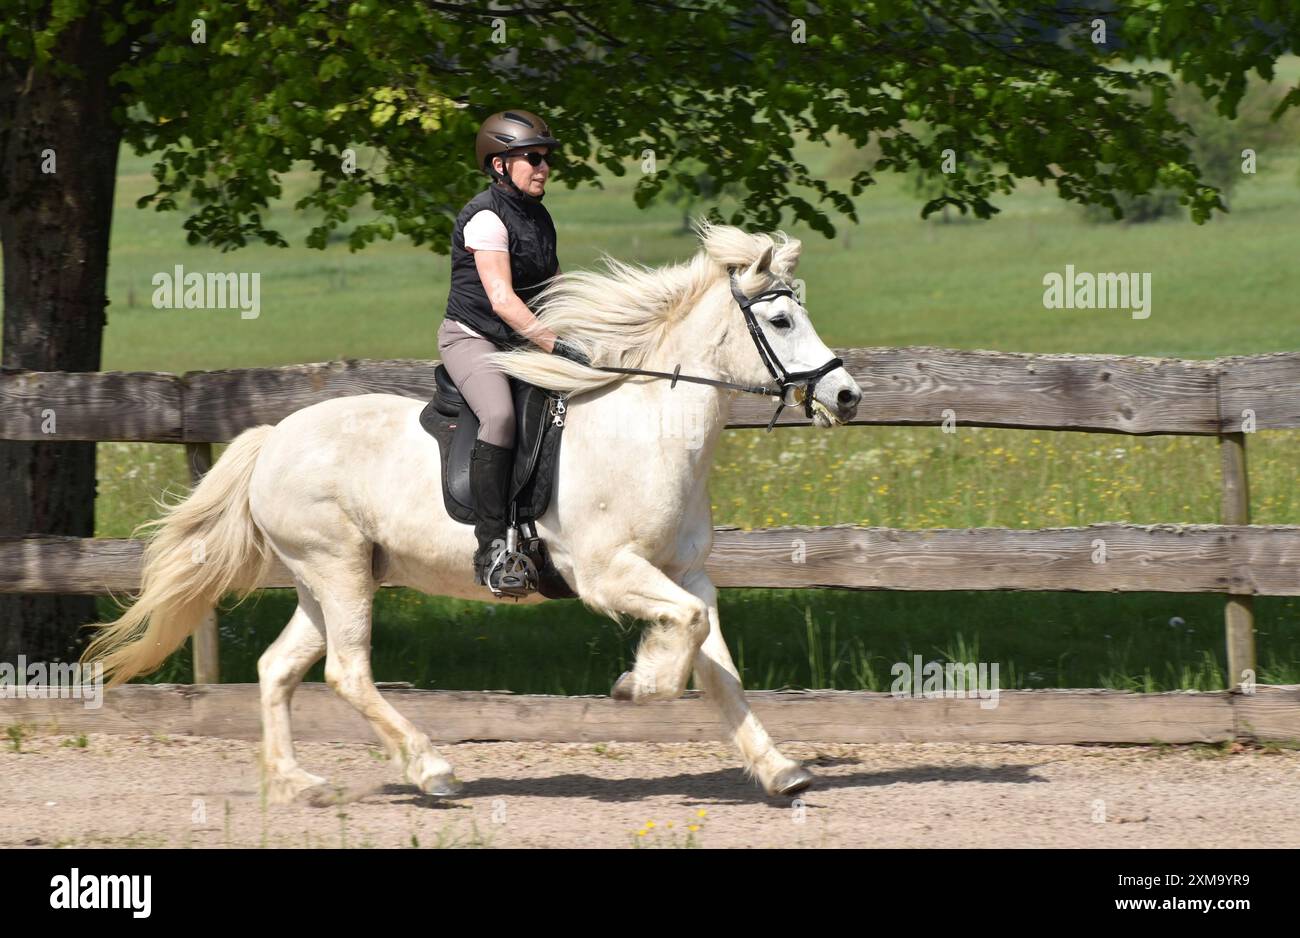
[[1228, 287]]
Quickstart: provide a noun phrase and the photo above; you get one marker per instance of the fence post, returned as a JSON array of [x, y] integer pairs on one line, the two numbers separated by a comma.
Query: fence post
[[1239, 613], [204, 642]]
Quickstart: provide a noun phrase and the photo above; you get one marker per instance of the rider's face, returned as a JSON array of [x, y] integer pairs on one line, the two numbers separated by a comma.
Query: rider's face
[[530, 179]]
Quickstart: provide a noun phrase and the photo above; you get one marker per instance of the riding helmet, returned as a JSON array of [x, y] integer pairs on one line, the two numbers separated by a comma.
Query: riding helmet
[[510, 130]]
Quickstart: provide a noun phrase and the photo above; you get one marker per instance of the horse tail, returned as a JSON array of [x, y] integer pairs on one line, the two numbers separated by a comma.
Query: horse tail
[[201, 548]]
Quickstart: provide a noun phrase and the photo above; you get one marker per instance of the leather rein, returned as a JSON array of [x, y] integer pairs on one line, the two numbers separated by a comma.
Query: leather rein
[[793, 388]]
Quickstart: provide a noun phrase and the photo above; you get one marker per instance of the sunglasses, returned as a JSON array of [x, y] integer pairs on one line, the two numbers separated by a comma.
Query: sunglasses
[[534, 159]]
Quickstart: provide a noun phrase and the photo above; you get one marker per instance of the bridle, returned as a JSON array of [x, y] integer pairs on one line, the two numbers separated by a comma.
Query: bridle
[[793, 387]]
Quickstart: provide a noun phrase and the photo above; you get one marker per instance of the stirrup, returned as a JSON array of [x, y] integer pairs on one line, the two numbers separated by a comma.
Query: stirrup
[[512, 573]]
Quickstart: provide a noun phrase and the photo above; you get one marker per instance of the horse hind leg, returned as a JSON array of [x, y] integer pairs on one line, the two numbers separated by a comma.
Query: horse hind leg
[[280, 670], [346, 591]]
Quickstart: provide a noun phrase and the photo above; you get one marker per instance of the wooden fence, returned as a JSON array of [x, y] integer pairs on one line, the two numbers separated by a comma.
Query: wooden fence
[[1228, 398]]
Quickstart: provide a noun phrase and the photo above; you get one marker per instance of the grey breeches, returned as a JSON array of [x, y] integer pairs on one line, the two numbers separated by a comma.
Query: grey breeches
[[485, 389]]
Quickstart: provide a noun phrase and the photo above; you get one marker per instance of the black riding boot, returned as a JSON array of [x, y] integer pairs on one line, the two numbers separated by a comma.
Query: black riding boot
[[489, 481]]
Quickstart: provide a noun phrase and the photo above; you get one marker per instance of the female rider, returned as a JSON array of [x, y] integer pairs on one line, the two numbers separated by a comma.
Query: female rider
[[502, 252]]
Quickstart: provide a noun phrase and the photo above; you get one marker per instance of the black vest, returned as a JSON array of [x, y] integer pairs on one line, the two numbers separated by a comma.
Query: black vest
[[531, 235]]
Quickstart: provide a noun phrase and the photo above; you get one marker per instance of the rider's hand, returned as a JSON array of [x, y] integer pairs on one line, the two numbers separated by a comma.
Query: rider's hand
[[567, 350]]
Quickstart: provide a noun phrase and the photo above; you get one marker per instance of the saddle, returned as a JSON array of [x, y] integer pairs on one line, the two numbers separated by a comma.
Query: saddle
[[539, 425]]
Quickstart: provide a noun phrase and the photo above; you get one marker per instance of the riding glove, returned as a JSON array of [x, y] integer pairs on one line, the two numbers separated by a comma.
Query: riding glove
[[570, 351]]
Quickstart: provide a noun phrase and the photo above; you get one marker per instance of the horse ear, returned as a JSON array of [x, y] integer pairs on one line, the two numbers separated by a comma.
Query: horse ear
[[764, 263], [787, 257]]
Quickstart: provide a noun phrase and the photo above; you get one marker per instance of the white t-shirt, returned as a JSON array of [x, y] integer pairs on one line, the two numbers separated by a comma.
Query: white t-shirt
[[485, 232]]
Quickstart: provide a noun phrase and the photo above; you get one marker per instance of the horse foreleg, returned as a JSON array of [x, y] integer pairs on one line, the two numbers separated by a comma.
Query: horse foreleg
[[717, 677], [678, 622]]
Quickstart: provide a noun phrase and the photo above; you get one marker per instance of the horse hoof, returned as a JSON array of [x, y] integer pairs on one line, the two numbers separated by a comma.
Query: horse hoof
[[791, 781], [319, 796], [446, 787], [622, 689]]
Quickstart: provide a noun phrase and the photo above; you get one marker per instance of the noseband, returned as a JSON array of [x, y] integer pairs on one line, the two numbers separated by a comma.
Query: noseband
[[793, 387]]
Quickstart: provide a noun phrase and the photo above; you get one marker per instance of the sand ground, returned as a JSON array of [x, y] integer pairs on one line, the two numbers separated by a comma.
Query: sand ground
[[202, 792]]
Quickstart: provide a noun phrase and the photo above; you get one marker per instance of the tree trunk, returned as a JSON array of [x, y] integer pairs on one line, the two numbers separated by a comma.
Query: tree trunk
[[54, 232]]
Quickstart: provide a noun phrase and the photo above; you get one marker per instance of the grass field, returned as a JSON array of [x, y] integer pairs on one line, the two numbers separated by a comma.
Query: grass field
[[1228, 287]]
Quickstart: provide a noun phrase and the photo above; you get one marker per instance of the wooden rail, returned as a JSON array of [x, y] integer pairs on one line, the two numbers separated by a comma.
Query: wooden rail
[[912, 386], [1018, 716], [1239, 560]]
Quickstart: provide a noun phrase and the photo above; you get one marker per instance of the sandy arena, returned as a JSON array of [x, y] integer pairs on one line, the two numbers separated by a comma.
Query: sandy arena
[[186, 791]]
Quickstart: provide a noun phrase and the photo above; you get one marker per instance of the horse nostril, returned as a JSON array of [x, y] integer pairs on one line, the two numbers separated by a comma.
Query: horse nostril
[[848, 398]]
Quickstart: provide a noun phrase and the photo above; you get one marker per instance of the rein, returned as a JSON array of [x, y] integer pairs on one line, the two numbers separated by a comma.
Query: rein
[[793, 388]]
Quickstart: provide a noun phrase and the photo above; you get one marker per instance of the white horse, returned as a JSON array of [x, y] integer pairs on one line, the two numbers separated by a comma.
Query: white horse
[[348, 493]]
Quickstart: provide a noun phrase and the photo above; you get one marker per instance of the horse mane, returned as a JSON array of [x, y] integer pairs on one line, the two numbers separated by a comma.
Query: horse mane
[[620, 317]]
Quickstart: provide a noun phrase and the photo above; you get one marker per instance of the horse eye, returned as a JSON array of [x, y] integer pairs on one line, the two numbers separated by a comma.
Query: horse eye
[[781, 322]]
